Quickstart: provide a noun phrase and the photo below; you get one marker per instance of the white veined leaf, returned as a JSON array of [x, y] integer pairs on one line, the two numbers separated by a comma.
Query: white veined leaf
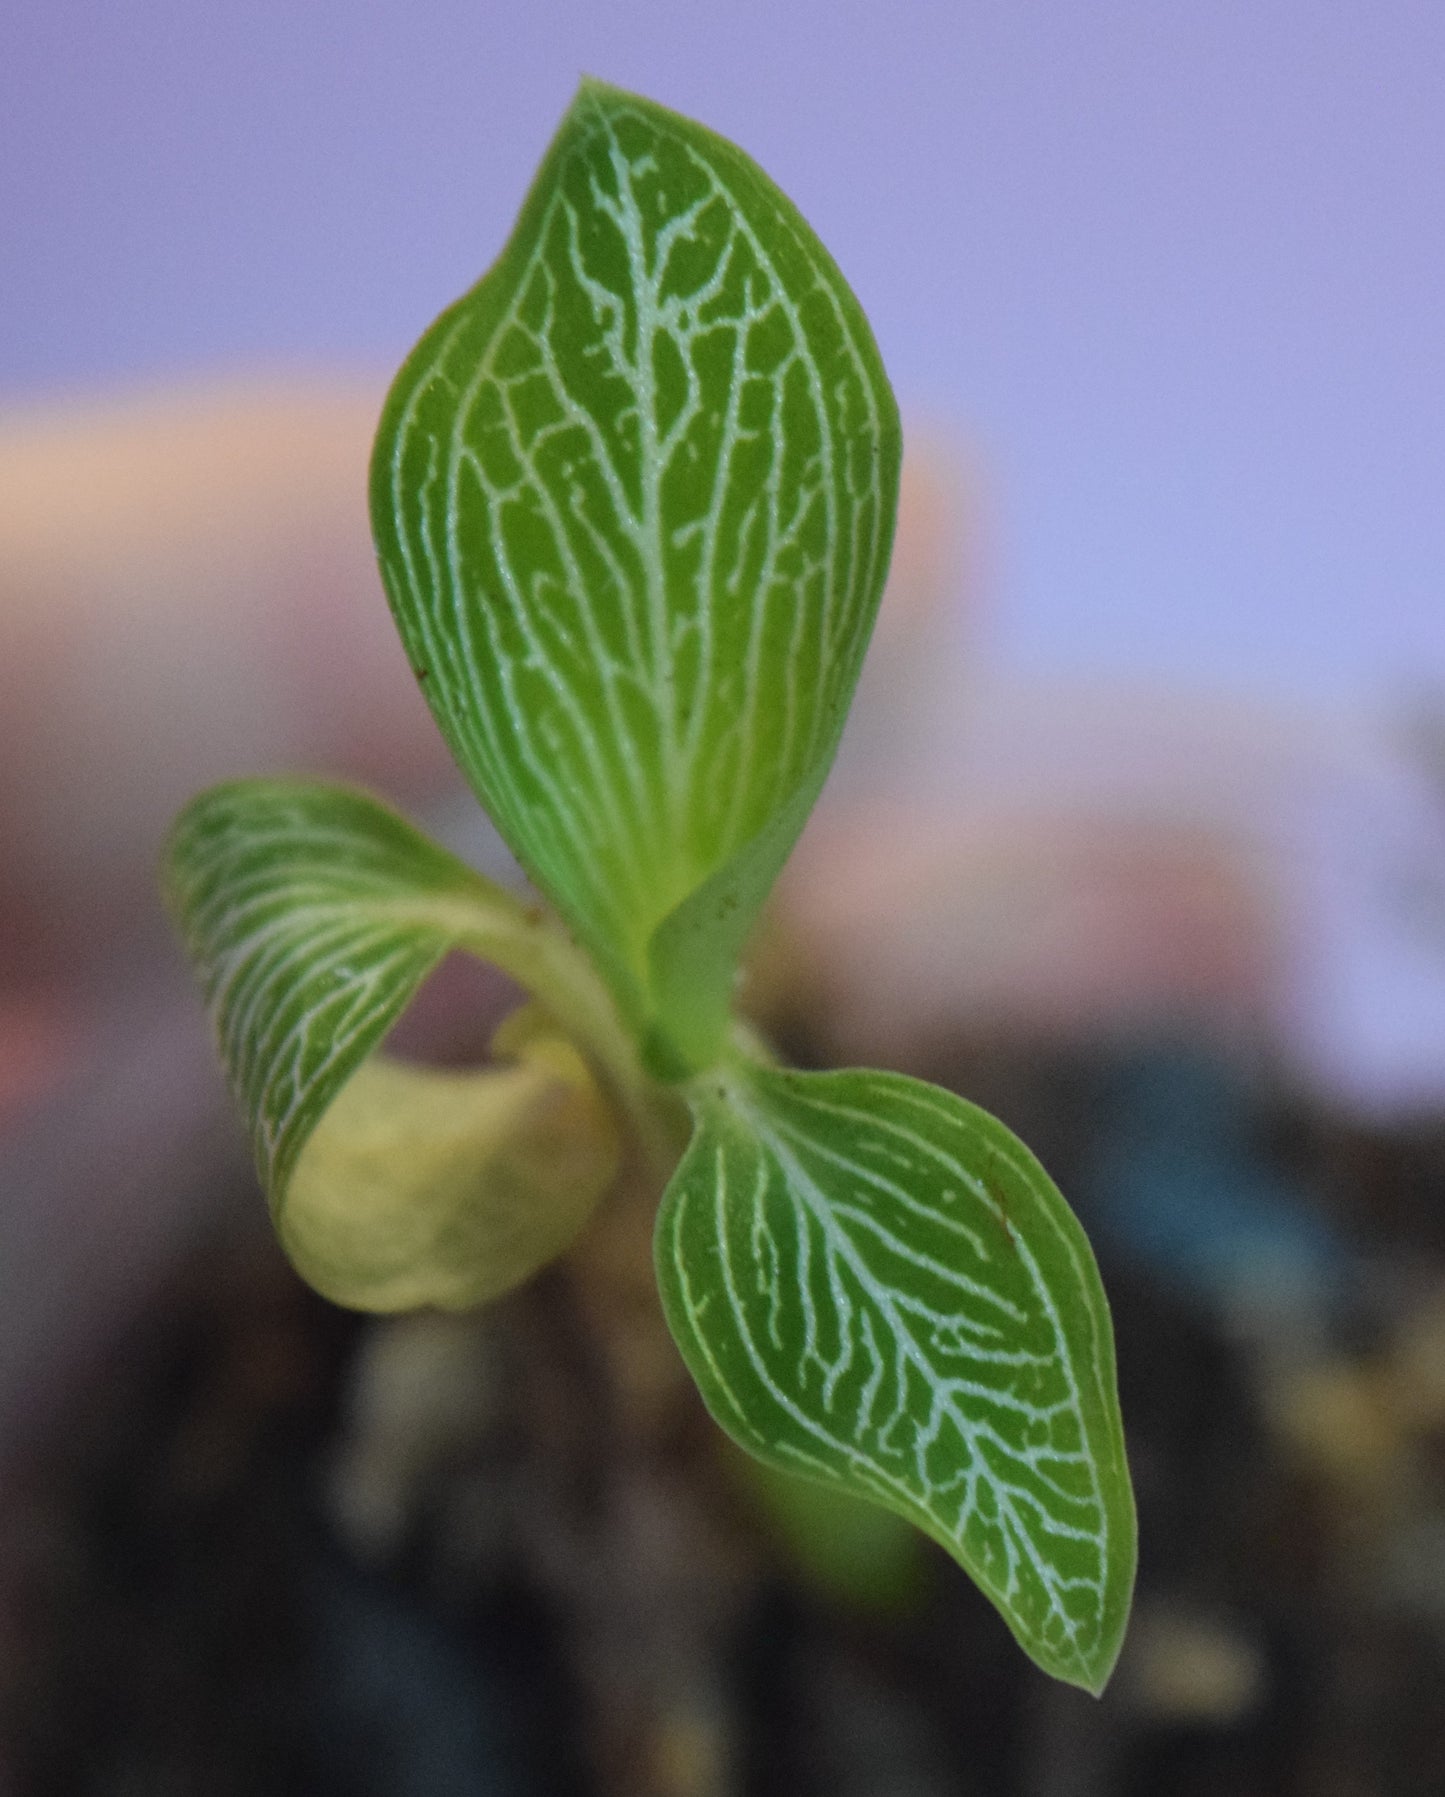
[[875, 1284], [633, 497], [311, 914]]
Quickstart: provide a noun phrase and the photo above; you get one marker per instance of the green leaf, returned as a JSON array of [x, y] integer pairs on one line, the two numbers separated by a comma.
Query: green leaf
[[312, 914], [875, 1284], [855, 1553], [633, 497]]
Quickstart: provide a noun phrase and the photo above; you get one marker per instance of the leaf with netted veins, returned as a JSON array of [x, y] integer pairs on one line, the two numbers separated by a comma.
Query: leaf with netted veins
[[874, 1283], [633, 497], [312, 913]]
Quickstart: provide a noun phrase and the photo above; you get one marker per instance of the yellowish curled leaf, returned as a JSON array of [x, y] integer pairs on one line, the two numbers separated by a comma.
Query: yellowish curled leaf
[[424, 1187]]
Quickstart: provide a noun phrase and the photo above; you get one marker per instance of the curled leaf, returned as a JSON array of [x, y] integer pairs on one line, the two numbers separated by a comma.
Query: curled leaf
[[312, 913], [427, 1187]]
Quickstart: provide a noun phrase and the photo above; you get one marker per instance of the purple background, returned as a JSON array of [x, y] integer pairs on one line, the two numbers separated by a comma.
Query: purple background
[[1176, 271]]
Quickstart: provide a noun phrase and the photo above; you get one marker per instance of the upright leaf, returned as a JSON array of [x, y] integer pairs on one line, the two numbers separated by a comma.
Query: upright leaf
[[875, 1284], [634, 497]]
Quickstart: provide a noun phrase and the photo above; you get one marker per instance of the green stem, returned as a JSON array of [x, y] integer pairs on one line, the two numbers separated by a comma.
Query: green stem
[[534, 948]]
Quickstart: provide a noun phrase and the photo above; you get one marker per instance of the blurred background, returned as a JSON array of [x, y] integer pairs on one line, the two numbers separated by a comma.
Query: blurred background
[[1138, 837]]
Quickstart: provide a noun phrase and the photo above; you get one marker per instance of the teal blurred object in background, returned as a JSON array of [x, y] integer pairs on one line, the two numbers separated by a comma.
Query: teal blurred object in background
[[1179, 1182]]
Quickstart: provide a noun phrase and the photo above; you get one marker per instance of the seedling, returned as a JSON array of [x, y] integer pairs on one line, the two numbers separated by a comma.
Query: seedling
[[633, 498]]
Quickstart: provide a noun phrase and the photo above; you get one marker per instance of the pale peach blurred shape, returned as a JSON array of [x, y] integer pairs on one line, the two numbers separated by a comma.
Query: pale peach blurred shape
[[915, 923], [187, 593]]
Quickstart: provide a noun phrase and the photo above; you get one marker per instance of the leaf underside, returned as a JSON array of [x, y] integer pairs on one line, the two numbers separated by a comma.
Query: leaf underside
[[633, 497], [875, 1284], [448, 1188], [312, 914]]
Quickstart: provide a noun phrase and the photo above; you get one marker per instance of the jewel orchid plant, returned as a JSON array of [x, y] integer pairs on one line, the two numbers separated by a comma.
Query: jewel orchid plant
[[633, 497]]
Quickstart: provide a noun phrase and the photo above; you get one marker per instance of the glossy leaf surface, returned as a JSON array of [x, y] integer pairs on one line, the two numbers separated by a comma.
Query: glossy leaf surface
[[312, 914], [633, 497], [875, 1284]]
